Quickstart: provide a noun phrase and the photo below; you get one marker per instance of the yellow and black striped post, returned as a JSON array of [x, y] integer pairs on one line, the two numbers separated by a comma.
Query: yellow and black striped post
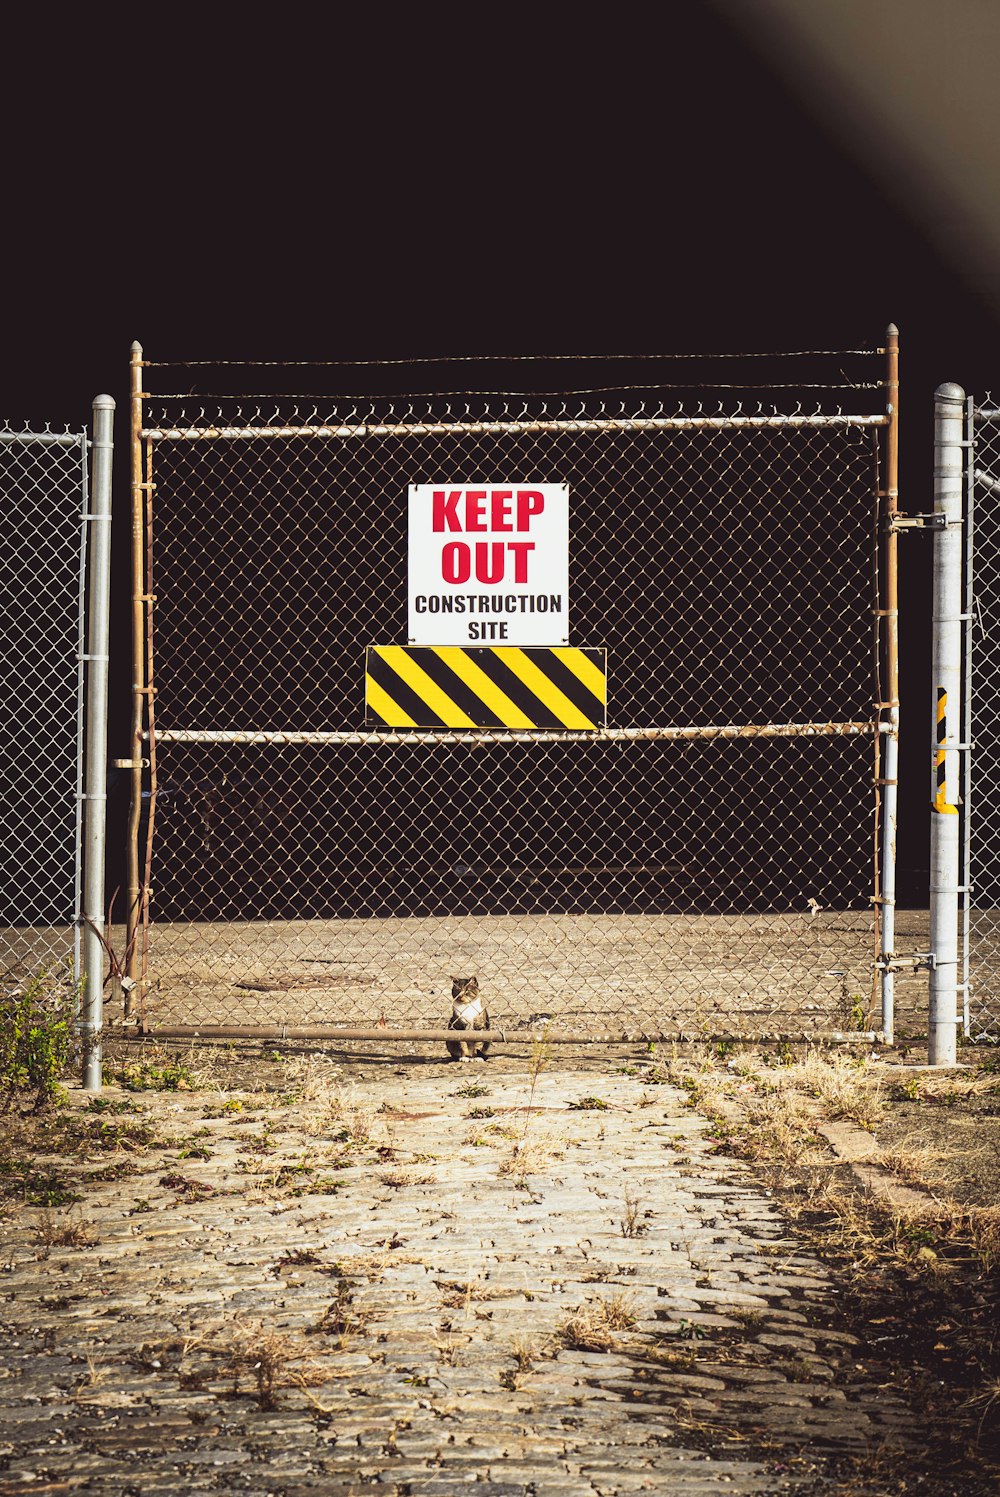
[[941, 803], [447, 686]]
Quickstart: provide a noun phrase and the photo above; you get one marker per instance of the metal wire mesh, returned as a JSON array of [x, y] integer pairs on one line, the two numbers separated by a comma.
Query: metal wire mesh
[[982, 798], [714, 876], [43, 485]]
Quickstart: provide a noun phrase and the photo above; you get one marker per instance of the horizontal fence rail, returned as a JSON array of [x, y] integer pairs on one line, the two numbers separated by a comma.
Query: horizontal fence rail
[[421, 429], [513, 735]]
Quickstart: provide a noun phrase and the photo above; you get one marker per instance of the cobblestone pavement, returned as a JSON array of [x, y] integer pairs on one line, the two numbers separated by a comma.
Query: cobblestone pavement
[[411, 1295]]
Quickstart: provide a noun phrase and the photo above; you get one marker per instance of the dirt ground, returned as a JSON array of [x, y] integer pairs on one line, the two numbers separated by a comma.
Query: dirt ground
[[944, 1130], [784, 1321], [627, 975]]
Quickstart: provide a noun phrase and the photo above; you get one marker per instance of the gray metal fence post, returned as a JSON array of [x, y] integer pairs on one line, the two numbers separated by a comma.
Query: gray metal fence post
[[946, 679], [91, 1019]]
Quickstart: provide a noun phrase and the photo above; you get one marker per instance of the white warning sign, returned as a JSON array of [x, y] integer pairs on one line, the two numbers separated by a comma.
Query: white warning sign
[[489, 565]]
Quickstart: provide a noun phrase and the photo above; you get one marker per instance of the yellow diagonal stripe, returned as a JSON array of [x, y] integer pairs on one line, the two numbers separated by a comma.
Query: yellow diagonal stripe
[[584, 669], [527, 671], [427, 690], [384, 707], [486, 690]]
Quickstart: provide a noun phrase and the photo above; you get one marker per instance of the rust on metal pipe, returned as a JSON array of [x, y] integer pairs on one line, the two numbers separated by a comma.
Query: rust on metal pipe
[[887, 753], [149, 489], [891, 495], [132, 914]]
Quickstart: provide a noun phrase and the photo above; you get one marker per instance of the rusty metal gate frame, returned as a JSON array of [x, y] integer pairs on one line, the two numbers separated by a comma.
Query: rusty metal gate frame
[[883, 727]]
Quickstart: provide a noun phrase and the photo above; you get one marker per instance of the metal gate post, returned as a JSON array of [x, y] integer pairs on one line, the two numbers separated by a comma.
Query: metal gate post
[[946, 682], [887, 743], [96, 745], [134, 908]]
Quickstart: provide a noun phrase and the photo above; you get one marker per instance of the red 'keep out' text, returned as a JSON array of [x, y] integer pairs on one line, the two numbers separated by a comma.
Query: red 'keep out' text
[[506, 513], [494, 511]]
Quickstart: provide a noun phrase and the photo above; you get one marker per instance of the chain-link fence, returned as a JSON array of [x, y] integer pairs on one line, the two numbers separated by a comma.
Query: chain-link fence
[[701, 864], [981, 790], [44, 485]]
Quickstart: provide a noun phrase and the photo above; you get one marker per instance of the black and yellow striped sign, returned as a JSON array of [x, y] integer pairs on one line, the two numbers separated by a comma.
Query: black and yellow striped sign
[[941, 803], [446, 686]]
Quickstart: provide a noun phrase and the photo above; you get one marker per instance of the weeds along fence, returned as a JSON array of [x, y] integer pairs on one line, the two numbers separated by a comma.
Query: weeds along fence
[[660, 816], [55, 543]]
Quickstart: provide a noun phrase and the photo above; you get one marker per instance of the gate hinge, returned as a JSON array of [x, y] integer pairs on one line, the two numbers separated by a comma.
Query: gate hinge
[[917, 961], [936, 521]]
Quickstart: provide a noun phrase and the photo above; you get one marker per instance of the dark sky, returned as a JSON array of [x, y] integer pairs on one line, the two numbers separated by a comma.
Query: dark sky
[[339, 186], [468, 180]]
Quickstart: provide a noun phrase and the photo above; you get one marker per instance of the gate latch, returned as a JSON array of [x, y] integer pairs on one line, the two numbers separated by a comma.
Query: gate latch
[[936, 521], [917, 961]]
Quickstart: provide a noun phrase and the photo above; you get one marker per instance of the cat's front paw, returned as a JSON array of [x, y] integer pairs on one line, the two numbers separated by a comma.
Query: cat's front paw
[[465, 1058]]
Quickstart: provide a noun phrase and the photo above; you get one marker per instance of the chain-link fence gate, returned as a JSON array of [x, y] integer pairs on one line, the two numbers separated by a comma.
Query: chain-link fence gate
[[53, 696], [54, 559], [973, 735], [41, 701], [700, 863]]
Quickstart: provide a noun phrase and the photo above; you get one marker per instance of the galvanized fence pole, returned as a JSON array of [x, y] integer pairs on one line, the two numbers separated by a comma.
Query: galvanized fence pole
[[91, 1018], [946, 681]]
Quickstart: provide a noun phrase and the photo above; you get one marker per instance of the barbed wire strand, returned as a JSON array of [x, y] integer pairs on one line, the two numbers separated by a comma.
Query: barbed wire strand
[[504, 394], [501, 358]]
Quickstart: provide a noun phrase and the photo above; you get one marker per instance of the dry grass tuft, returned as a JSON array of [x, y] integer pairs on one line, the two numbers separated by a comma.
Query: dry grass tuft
[[850, 1088], [400, 1179], [96, 1374], [983, 1226], [54, 1231], [778, 1127], [527, 1352], [342, 1319], [269, 1360], [255, 1358], [370, 1266], [457, 1295], [593, 1326], [913, 1163], [531, 1156], [634, 1221]]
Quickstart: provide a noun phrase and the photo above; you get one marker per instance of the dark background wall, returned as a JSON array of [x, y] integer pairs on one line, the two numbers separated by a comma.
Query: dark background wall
[[347, 186]]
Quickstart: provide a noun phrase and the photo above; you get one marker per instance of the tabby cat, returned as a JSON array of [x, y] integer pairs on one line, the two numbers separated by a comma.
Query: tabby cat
[[467, 1012]]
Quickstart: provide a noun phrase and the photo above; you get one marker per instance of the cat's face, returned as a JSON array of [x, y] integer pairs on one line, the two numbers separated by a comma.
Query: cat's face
[[464, 988]]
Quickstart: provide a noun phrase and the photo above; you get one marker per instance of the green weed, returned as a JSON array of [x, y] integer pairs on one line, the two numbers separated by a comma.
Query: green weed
[[35, 1039], [34, 1186], [144, 1076]]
